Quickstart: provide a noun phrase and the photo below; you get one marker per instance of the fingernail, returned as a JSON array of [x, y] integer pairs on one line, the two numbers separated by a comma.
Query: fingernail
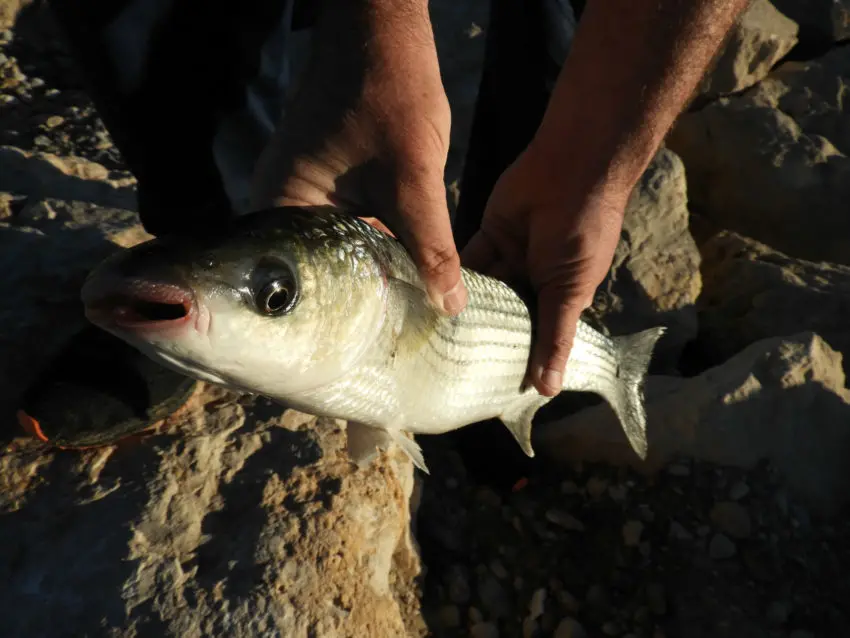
[[551, 378], [455, 299]]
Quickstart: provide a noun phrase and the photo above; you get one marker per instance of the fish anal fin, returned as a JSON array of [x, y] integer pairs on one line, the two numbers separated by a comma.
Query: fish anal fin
[[365, 443], [518, 418]]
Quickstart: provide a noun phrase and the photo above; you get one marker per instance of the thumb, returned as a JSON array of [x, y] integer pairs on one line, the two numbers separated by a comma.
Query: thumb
[[559, 311], [426, 230]]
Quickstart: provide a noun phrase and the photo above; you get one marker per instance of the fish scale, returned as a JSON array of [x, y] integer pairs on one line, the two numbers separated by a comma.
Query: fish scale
[[358, 339]]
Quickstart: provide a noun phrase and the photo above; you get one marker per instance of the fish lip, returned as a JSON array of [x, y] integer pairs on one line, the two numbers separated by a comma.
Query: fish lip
[[108, 302]]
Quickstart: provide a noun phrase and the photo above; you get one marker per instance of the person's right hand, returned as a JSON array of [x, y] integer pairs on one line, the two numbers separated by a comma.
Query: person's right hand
[[369, 132]]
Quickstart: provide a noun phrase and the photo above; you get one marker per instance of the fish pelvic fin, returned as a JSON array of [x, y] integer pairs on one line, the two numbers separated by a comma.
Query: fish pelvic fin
[[364, 442], [626, 395], [518, 418]]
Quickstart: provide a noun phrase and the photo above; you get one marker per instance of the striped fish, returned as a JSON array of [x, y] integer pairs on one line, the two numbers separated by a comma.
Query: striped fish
[[320, 311]]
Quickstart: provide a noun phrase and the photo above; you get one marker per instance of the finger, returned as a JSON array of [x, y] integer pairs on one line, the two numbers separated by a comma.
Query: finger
[[559, 313], [426, 231]]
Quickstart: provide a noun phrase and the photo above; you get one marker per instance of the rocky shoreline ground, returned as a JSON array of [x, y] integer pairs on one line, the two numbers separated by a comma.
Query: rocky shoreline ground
[[237, 520]]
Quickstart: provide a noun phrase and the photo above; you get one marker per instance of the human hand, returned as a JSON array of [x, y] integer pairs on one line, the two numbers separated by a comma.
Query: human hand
[[559, 237], [369, 132]]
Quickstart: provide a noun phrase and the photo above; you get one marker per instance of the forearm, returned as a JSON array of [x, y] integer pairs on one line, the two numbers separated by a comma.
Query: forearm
[[353, 37], [632, 67]]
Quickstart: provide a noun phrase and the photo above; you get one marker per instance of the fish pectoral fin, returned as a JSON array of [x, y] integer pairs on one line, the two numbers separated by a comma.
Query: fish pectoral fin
[[365, 441], [518, 418]]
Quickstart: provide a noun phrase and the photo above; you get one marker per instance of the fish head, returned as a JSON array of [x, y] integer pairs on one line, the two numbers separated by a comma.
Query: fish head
[[278, 303]]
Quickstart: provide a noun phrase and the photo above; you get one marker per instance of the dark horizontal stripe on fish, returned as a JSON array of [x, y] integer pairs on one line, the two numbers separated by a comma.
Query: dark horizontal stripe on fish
[[475, 304], [464, 362], [466, 343]]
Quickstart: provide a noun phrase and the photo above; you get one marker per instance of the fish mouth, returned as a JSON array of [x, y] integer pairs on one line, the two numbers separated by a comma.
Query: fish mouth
[[138, 306]]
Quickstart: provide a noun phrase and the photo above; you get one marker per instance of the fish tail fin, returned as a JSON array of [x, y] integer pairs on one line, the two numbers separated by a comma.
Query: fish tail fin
[[626, 395]]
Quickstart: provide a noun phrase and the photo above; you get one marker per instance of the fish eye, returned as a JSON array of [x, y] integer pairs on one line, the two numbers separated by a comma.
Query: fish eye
[[277, 297]]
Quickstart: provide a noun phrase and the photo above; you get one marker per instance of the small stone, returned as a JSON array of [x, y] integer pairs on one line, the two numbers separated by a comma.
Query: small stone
[[777, 614], [565, 520], [596, 486], [484, 630], [618, 492], [570, 628], [738, 491], [678, 532], [631, 533], [458, 584], [498, 569], [721, 547], [656, 599], [569, 487], [6, 36], [36, 83], [449, 616], [474, 31], [41, 140], [731, 518], [535, 607], [596, 596], [37, 211], [5, 98], [51, 93], [493, 597], [568, 601], [529, 627], [679, 469], [53, 121], [612, 628]]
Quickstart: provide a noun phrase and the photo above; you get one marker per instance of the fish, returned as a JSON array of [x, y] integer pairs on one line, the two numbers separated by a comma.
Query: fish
[[318, 310]]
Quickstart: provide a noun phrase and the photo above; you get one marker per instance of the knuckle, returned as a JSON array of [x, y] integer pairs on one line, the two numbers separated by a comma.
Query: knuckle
[[438, 262]]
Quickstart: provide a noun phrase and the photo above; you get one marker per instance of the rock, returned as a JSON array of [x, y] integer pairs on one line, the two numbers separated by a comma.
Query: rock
[[821, 21], [9, 10], [731, 518], [772, 162], [235, 519], [721, 547], [637, 294], [44, 269], [44, 175], [782, 399], [484, 630], [570, 628], [752, 292], [535, 607], [760, 38]]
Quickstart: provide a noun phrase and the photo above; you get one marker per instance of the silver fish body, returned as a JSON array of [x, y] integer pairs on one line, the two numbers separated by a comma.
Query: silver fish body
[[322, 312]]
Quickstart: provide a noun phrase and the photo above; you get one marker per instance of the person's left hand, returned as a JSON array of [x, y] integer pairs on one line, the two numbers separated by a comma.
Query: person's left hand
[[556, 234]]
